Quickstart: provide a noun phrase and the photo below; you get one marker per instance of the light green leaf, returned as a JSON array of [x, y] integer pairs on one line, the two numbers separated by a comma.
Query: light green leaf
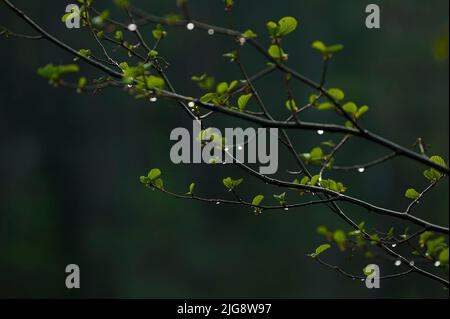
[[191, 188], [439, 160], [325, 106], [432, 175], [159, 183], [249, 34], [291, 105], [287, 25], [243, 101], [361, 111], [231, 183], [154, 82], [314, 180], [412, 194], [350, 107], [305, 180], [277, 52], [340, 238], [322, 248], [154, 174], [222, 88], [337, 94], [316, 154], [281, 198], [257, 200]]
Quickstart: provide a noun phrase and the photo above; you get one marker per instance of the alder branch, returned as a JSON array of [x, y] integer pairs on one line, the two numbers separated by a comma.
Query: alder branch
[[264, 119]]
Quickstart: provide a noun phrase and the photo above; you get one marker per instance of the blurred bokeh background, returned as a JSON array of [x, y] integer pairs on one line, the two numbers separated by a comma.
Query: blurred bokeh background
[[70, 163]]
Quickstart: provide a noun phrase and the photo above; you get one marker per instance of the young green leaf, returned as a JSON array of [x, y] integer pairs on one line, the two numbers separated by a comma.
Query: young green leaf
[[319, 250], [361, 111], [287, 25], [243, 101], [350, 107], [277, 52], [438, 160], [291, 105], [412, 194], [191, 189], [154, 174], [154, 82], [322, 248], [281, 198], [337, 94], [314, 180], [257, 200], [340, 238], [249, 34], [158, 183], [231, 183]]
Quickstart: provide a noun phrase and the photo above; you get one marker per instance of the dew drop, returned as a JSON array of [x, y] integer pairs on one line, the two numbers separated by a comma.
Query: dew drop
[[398, 263], [129, 86], [286, 208], [320, 132], [217, 203], [240, 148], [437, 263], [226, 149], [411, 263], [190, 26], [191, 104], [242, 41], [153, 99], [211, 31], [361, 169], [394, 245], [132, 27]]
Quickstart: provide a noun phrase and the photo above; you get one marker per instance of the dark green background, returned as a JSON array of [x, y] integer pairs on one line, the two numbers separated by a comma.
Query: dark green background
[[69, 163]]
